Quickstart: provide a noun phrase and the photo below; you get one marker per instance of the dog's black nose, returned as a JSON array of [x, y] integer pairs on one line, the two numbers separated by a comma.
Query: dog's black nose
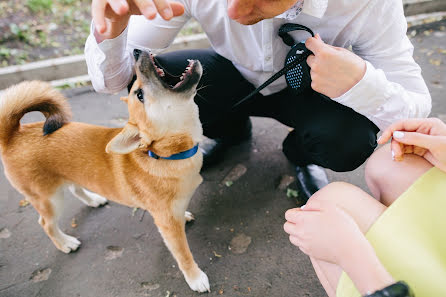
[[136, 53]]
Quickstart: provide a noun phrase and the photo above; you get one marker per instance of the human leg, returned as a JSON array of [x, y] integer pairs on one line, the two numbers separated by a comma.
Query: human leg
[[388, 179], [326, 133]]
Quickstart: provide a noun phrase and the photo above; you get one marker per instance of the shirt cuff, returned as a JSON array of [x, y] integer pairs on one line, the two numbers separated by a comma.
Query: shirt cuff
[[115, 46], [105, 57], [369, 94]]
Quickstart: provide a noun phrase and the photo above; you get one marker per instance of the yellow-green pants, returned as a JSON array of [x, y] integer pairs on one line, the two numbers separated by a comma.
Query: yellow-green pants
[[410, 238]]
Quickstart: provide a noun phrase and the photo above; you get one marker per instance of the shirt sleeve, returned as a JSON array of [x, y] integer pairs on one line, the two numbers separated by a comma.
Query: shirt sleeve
[[110, 63], [392, 87]]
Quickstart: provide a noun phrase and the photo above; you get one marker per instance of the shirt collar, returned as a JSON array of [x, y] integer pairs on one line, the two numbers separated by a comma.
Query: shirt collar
[[315, 8]]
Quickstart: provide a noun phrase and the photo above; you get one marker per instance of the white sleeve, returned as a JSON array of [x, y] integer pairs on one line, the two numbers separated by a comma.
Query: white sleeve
[[392, 87], [110, 63]]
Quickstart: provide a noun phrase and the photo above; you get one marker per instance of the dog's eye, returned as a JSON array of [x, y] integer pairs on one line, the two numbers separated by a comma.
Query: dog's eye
[[140, 95]]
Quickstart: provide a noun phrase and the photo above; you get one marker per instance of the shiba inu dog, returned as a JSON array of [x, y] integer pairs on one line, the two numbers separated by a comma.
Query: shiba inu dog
[[153, 163]]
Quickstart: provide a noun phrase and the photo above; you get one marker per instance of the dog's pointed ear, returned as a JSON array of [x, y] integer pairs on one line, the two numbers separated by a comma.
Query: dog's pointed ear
[[125, 142]]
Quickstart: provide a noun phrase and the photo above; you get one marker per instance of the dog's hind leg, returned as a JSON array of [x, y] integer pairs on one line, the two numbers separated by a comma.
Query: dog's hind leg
[[172, 229], [87, 197], [189, 216], [50, 209]]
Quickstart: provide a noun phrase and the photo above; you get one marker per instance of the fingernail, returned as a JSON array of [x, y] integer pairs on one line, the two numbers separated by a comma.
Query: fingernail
[[167, 13], [379, 138], [393, 155], [303, 206], [398, 134]]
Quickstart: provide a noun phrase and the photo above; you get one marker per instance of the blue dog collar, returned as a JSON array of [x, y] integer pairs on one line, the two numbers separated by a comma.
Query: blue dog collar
[[180, 156]]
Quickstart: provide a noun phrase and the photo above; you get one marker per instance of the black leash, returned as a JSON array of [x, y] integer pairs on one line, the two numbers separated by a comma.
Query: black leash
[[288, 40], [271, 79]]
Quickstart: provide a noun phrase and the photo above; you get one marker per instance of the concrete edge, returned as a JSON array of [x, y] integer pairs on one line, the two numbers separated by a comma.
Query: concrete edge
[[421, 19], [75, 66], [414, 7]]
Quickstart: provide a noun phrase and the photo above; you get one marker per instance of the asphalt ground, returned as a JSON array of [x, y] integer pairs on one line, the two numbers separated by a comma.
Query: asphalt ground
[[237, 238]]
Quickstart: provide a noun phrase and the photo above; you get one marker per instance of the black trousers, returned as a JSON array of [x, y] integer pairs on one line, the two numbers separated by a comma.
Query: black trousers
[[325, 133]]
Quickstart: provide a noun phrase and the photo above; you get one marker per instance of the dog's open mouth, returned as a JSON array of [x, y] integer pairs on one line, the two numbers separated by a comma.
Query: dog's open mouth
[[172, 81]]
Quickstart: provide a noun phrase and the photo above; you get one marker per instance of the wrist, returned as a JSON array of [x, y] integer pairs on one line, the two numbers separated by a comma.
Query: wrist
[[114, 28]]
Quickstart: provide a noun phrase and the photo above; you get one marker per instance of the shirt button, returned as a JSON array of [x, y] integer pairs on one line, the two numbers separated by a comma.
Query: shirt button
[[268, 58]]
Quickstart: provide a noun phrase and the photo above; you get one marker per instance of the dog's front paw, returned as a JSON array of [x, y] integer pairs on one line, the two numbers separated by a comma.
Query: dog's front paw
[[200, 283], [68, 244]]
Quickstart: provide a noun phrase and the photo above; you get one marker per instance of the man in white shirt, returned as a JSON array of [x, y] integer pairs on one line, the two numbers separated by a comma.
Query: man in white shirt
[[352, 95]]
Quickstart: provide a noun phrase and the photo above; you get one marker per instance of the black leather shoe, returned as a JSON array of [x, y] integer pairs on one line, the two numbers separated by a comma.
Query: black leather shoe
[[310, 179], [214, 149]]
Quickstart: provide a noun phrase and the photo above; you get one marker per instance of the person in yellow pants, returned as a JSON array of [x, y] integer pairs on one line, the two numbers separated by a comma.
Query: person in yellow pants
[[361, 245]]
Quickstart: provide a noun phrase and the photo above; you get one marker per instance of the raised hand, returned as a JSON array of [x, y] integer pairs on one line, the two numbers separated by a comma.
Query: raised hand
[[423, 137], [105, 12]]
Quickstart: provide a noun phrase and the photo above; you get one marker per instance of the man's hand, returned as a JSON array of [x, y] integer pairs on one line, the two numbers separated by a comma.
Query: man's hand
[[422, 137], [334, 70], [108, 12]]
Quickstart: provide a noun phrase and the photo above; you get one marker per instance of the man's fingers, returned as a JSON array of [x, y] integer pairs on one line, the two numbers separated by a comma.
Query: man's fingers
[[147, 8], [97, 13], [120, 7], [311, 60], [163, 7], [168, 9], [177, 8], [314, 44], [414, 138]]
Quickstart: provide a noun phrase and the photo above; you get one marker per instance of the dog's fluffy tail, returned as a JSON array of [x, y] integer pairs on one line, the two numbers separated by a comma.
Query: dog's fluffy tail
[[31, 96]]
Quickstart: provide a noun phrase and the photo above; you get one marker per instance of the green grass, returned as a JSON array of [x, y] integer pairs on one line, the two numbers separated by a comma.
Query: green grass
[[39, 5]]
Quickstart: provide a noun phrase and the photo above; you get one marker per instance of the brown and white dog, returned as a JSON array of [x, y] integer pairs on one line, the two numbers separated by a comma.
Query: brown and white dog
[[41, 159]]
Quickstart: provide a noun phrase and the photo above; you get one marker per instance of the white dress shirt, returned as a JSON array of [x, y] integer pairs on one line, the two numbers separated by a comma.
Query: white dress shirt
[[391, 89]]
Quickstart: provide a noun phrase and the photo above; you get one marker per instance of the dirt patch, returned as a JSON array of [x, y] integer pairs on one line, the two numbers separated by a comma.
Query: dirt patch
[[33, 30]]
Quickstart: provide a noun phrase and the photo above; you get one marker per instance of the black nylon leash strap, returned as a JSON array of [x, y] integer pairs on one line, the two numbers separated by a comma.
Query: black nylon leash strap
[[272, 78], [288, 40]]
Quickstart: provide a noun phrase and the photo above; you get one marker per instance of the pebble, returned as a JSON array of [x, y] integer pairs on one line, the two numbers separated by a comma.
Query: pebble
[[238, 171], [239, 244], [4, 233], [41, 275], [285, 181], [149, 286], [113, 252]]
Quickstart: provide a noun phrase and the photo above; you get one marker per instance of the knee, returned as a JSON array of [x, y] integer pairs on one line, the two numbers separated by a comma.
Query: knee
[[342, 147], [334, 192], [375, 168]]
